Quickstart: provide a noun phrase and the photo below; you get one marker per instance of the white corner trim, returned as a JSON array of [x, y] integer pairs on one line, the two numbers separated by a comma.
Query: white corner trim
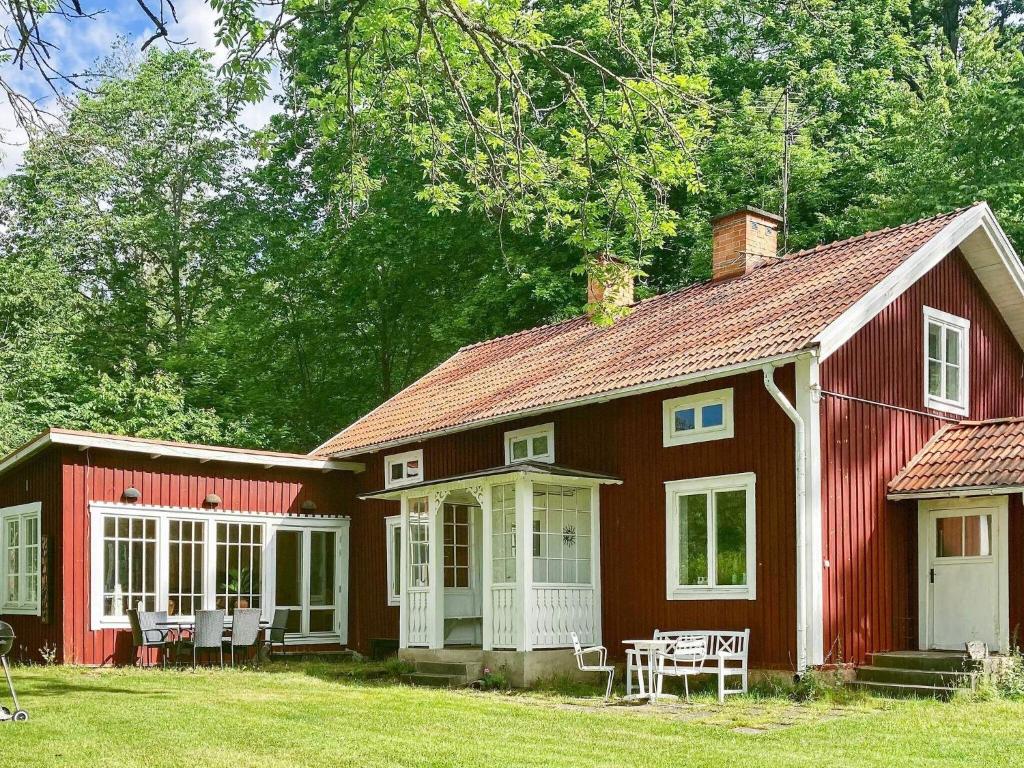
[[910, 271]]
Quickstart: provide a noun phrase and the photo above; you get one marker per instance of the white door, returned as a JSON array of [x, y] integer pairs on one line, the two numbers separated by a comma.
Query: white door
[[462, 593], [963, 581]]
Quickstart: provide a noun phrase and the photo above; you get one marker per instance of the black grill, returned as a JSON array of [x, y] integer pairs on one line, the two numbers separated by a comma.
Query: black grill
[[6, 638]]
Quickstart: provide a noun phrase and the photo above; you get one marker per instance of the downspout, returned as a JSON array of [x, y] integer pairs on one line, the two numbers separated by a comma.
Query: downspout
[[801, 522]]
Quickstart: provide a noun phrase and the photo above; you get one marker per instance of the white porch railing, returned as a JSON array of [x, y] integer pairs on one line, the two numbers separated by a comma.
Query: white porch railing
[[559, 610], [419, 617], [503, 616]]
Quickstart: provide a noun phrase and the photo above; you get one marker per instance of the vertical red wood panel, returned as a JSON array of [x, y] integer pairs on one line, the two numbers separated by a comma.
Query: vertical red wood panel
[[97, 476], [38, 480], [623, 437], [870, 584]]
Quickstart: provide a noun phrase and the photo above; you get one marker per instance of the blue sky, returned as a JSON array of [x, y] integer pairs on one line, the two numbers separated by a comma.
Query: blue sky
[[84, 41]]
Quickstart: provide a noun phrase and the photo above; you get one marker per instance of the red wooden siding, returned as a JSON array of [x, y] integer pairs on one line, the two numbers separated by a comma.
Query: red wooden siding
[[38, 479], [96, 475], [870, 586], [623, 437]]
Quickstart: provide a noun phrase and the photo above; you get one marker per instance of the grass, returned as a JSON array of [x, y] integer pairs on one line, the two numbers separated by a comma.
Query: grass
[[355, 715]]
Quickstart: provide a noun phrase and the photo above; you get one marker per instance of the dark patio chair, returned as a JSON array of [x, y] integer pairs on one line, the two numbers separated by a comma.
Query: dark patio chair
[[208, 635], [275, 635], [245, 630], [146, 634]]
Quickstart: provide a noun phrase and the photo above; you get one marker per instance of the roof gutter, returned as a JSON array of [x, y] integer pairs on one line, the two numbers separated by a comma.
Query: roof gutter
[[768, 371], [636, 389], [956, 493]]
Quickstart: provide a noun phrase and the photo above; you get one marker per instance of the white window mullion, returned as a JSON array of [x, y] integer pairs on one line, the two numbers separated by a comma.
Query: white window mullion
[[712, 541]]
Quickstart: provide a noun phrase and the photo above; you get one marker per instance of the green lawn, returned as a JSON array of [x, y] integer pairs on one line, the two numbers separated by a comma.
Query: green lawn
[[331, 715]]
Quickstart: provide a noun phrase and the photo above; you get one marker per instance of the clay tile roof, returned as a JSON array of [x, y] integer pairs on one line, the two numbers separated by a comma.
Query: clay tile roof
[[774, 310], [971, 454]]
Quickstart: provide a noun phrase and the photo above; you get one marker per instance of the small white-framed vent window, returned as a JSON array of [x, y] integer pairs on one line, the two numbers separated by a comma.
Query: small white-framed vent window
[[403, 469], [710, 542], [20, 559], [531, 444], [696, 418], [946, 358], [393, 527]]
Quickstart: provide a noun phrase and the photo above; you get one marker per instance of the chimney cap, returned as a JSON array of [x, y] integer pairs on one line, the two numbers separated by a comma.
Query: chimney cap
[[749, 209]]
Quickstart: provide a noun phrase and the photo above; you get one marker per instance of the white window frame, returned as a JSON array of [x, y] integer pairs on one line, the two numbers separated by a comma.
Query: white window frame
[[528, 433], [393, 527], [271, 524], [745, 481], [963, 327], [404, 459], [27, 605], [699, 434]]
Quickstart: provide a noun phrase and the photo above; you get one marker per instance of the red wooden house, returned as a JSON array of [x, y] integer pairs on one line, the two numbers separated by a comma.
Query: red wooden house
[[818, 447]]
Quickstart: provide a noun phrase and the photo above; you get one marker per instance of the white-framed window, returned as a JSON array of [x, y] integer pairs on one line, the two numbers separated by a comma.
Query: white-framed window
[[183, 560], [561, 535], [503, 533], [457, 541], [696, 418], [946, 361], [531, 444], [710, 538], [20, 559], [403, 469], [393, 528], [419, 543]]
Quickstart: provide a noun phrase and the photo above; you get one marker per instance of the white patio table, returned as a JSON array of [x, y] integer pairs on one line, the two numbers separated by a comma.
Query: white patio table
[[651, 648]]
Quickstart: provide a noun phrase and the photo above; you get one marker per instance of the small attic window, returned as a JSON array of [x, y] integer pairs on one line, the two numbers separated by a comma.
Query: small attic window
[[531, 444], [697, 418], [403, 469], [946, 361]]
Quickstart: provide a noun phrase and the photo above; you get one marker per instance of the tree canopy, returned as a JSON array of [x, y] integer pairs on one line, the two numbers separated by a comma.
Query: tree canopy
[[442, 172]]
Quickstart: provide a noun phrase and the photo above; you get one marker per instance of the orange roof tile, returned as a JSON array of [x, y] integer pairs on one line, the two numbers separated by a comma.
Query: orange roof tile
[[774, 310], [970, 454]]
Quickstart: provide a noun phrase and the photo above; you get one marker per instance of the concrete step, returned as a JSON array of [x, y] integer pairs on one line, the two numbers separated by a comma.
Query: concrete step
[[435, 681], [932, 661], [900, 690], [468, 669], [925, 677]]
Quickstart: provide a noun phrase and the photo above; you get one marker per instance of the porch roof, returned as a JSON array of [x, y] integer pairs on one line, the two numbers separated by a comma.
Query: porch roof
[[969, 458], [536, 468]]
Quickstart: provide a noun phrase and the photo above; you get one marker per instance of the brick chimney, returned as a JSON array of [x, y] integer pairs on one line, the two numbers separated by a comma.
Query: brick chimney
[[608, 279], [742, 239]]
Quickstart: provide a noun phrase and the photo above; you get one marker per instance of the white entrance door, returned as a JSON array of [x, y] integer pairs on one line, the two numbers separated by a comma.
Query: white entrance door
[[463, 603], [964, 573]]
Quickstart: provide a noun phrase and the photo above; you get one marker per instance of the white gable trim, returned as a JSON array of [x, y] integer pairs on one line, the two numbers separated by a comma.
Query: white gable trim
[[986, 248]]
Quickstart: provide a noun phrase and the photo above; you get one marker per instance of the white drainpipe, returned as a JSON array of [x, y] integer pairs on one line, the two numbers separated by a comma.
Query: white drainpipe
[[801, 522]]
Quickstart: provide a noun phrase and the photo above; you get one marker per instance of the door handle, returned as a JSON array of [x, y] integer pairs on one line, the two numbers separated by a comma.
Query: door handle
[[931, 575]]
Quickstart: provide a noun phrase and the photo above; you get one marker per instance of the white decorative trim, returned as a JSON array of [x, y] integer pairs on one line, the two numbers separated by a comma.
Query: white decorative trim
[[528, 433], [158, 449], [404, 459], [699, 434], [30, 607], [745, 481], [978, 234], [808, 405], [963, 328]]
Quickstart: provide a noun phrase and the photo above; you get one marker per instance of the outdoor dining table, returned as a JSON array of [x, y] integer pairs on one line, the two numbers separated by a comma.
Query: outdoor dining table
[[651, 648]]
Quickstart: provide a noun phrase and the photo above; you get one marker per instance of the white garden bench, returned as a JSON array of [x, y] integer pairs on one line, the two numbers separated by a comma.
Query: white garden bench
[[725, 656]]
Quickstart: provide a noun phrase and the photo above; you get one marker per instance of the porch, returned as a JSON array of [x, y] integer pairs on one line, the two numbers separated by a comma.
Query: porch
[[469, 582]]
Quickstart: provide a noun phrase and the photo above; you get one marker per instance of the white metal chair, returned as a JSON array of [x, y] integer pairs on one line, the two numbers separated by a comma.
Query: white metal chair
[[684, 658], [602, 664]]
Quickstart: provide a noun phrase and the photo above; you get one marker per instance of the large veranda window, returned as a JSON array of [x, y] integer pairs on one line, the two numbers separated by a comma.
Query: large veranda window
[[710, 538], [561, 535], [167, 560], [20, 558]]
